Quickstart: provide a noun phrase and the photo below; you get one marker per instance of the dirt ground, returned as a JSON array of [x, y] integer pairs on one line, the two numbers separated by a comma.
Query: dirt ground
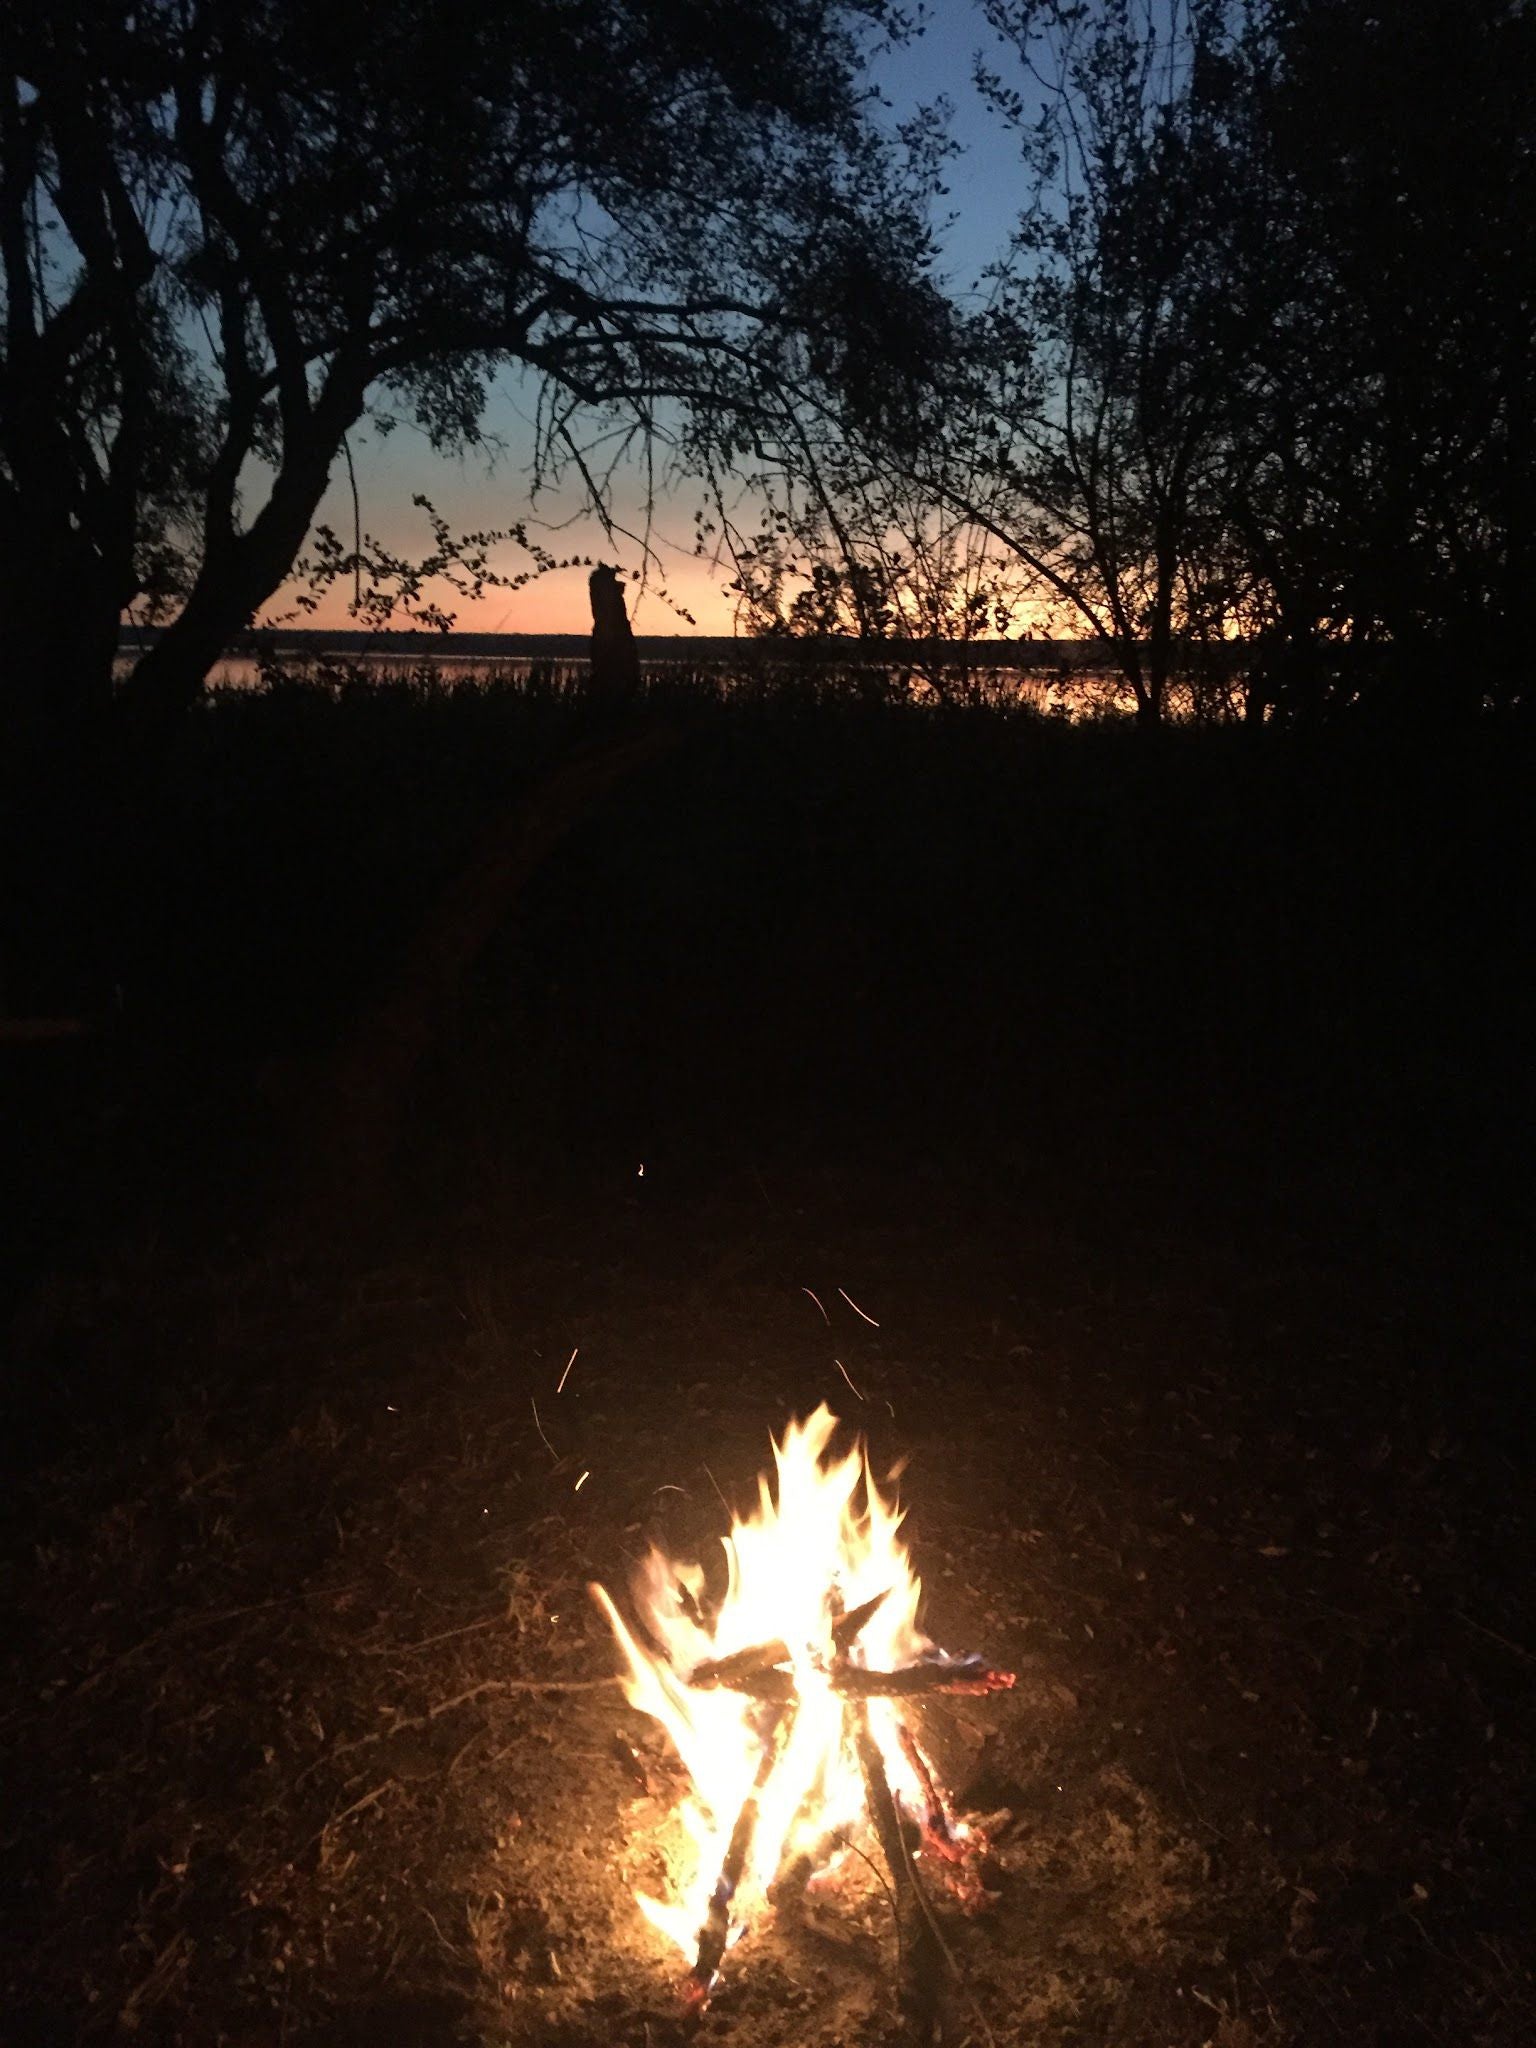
[[312, 1727]]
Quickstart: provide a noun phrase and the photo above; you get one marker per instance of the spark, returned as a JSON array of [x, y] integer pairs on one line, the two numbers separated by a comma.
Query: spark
[[844, 1371], [857, 1310], [560, 1389], [581, 1482], [543, 1439], [817, 1299]]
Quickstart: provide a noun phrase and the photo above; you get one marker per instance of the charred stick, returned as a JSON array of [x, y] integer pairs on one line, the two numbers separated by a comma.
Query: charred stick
[[761, 1657], [918, 1994], [742, 1664], [954, 1859], [764, 1656], [778, 1686], [715, 1934], [883, 1809], [938, 1826], [965, 1675], [953, 1675], [847, 1627]]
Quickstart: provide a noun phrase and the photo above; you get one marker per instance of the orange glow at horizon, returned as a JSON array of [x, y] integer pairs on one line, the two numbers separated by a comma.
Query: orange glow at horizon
[[556, 603]]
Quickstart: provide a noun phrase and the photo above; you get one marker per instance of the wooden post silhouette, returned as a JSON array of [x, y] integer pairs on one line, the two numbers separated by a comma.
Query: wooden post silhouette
[[615, 663]]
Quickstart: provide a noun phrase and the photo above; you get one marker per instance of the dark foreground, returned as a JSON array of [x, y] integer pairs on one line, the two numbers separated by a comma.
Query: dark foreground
[[1211, 1368]]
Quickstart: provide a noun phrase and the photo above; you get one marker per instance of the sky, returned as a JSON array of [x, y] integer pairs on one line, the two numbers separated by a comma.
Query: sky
[[478, 491]]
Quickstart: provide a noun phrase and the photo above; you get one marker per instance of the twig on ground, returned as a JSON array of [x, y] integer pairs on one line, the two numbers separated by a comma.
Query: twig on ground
[[152, 1989], [446, 1635], [947, 1953], [368, 1799], [1480, 1628], [519, 1685], [184, 1624], [408, 1722]]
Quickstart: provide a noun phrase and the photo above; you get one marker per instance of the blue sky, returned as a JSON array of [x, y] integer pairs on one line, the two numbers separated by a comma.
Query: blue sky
[[481, 491]]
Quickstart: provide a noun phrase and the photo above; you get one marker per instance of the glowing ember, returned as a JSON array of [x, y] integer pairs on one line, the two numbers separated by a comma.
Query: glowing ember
[[784, 1701]]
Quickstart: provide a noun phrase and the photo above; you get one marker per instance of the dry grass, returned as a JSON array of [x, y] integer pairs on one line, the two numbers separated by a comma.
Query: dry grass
[[292, 1772]]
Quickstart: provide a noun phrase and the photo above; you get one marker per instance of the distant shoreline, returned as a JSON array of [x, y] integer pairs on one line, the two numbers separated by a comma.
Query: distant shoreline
[[694, 648]]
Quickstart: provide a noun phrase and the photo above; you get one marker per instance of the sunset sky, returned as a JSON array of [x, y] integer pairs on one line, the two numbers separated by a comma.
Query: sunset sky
[[476, 492]]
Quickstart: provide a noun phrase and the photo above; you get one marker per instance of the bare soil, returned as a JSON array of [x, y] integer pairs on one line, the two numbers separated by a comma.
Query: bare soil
[[311, 1725]]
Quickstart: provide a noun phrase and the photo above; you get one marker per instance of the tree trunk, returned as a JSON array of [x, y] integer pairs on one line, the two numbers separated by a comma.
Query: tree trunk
[[239, 572], [60, 598], [58, 637], [168, 678]]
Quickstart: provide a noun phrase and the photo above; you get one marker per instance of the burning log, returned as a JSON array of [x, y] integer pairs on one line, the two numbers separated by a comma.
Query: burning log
[[938, 1826], [740, 1671], [917, 1939], [955, 1856], [715, 1934], [759, 1675], [850, 1626], [951, 1675]]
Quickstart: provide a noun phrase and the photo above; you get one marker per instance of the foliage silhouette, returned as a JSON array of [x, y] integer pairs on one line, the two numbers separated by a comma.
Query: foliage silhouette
[[229, 232], [1247, 402], [232, 232]]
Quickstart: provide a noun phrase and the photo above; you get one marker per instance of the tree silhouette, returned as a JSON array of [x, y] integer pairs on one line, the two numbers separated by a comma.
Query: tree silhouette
[[231, 229], [1258, 372], [1113, 350], [1391, 502], [1247, 402], [1071, 463]]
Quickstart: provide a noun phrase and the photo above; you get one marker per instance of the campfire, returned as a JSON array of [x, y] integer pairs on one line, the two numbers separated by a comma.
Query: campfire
[[788, 1699]]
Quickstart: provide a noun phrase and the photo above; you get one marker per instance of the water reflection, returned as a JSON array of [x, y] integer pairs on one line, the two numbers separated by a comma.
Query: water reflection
[[1063, 689]]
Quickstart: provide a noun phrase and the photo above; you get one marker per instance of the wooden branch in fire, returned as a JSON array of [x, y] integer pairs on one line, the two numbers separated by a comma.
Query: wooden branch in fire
[[715, 1934], [765, 1672], [729, 1672], [756, 1672], [918, 1989], [956, 1857], [759, 1674]]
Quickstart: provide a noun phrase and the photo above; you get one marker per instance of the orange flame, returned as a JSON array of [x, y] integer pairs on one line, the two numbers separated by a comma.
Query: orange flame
[[824, 1544]]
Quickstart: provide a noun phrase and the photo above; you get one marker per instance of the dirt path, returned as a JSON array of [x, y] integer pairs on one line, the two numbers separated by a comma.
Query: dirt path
[[289, 1775]]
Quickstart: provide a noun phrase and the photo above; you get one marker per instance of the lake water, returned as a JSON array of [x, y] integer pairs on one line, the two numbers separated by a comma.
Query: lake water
[[1066, 691]]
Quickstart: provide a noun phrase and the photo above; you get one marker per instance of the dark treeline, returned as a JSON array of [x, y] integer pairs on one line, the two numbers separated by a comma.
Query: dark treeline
[[230, 233], [1254, 365], [1251, 389], [1244, 405]]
